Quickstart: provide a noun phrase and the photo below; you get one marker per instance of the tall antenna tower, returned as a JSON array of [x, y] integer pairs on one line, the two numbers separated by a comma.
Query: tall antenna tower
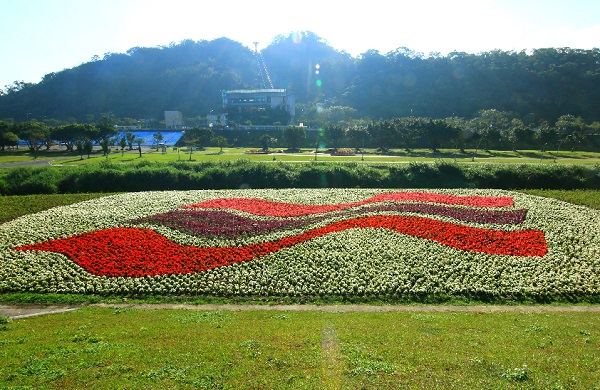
[[262, 67]]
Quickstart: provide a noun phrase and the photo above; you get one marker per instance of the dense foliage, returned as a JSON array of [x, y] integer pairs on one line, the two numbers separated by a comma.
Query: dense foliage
[[142, 83], [146, 176], [358, 244]]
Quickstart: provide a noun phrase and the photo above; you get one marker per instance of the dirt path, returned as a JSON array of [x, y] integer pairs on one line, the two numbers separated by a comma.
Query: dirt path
[[361, 308], [22, 311]]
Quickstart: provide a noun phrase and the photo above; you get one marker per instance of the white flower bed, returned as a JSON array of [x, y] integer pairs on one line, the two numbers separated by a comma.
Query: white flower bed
[[351, 263]]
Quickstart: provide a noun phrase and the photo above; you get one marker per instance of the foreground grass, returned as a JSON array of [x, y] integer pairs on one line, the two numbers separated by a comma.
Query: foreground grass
[[127, 348]]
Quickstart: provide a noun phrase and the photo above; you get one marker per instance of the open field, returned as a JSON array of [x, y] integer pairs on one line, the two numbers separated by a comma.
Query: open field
[[60, 157], [128, 348]]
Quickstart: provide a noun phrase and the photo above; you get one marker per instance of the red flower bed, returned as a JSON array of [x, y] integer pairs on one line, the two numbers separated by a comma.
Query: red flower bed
[[343, 152], [137, 252], [279, 209]]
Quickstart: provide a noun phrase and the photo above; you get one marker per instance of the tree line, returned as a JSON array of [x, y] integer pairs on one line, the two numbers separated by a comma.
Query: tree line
[[543, 84], [490, 129]]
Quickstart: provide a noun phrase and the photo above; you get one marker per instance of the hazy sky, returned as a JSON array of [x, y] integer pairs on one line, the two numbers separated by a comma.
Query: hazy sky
[[42, 36]]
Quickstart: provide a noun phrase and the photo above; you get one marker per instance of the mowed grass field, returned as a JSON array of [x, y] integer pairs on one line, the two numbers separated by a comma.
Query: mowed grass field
[[129, 348], [96, 347], [56, 156]]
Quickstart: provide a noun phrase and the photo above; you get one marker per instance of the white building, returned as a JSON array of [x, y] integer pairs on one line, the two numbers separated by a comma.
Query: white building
[[272, 98], [213, 119], [173, 120]]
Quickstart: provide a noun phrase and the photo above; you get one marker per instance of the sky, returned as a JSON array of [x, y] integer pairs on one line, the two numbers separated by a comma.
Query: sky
[[38, 37]]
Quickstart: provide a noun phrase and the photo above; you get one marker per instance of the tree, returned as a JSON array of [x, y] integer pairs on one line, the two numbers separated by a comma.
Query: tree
[[66, 134], [439, 132], [106, 126], [106, 130], [139, 142], [123, 144], [196, 136], [358, 136], [408, 130], [220, 142], [383, 134], [334, 134], [105, 146], [459, 136], [34, 133], [336, 115], [515, 133], [70, 133], [544, 135], [294, 136], [488, 125], [88, 147], [7, 136], [9, 139], [157, 139], [571, 128], [130, 137], [266, 141]]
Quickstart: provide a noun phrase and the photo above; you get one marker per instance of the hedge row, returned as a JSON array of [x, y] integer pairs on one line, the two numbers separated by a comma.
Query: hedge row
[[148, 176]]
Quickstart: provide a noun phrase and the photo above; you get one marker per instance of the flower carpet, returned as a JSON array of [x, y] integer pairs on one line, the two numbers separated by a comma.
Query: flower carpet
[[309, 243]]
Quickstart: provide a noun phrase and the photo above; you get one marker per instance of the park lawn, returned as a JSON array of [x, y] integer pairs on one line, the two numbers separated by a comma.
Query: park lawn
[[131, 348], [589, 198], [61, 157], [12, 207]]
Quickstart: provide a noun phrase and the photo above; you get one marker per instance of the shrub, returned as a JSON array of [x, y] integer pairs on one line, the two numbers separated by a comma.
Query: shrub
[[145, 175]]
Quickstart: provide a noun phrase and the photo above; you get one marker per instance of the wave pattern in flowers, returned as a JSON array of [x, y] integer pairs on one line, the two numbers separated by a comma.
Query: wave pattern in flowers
[[279, 209], [363, 263], [137, 252], [220, 223]]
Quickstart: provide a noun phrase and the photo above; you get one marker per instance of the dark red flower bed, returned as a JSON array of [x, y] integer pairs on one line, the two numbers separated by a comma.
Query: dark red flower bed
[[218, 223]]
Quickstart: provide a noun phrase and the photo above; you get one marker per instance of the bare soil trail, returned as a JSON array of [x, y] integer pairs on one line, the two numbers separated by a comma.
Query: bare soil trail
[[16, 311]]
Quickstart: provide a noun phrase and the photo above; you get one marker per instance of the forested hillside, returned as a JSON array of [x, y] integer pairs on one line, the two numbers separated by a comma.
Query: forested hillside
[[188, 77]]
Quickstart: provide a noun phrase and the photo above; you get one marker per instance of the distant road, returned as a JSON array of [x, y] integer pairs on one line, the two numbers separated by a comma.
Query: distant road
[[33, 163]]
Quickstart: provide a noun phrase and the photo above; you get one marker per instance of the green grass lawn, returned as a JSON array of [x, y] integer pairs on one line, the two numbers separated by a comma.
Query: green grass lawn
[[126, 348], [228, 154], [15, 206]]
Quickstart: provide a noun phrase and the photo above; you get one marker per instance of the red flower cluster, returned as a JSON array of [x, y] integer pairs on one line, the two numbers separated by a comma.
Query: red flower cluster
[[137, 252], [279, 209]]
